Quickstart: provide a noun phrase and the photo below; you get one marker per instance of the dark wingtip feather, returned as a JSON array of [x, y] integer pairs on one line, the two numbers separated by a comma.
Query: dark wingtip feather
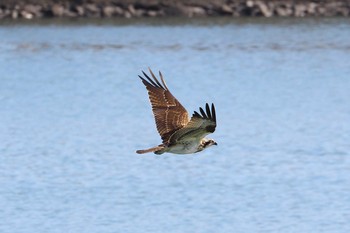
[[208, 111], [150, 81], [145, 74], [155, 79], [196, 114], [144, 81], [213, 112], [203, 113]]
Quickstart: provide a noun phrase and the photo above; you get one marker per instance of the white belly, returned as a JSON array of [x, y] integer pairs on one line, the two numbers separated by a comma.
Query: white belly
[[187, 147]]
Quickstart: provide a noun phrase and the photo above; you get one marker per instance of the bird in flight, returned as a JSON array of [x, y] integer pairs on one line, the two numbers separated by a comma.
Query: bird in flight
[[180, 135]]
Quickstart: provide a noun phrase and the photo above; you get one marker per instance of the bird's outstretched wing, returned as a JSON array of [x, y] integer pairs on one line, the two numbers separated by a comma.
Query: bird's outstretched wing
[[200, 125], [169, 114]]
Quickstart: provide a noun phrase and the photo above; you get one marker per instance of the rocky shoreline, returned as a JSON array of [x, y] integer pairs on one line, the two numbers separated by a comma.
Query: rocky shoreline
[[30, 9]]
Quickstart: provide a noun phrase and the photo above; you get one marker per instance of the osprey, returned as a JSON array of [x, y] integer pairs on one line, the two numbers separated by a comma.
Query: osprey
[[180, 134]]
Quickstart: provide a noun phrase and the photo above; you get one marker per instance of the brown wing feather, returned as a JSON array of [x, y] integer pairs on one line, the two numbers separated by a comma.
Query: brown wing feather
[[199, 126], [169, 114]]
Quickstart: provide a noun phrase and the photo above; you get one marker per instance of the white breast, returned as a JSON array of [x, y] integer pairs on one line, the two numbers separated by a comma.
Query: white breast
[[185, 147]]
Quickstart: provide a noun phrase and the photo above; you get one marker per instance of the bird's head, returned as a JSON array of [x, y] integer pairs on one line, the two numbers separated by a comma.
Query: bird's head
[[206, 142]]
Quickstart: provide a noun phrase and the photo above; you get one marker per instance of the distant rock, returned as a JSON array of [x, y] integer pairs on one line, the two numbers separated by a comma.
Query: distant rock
[[30, 9]]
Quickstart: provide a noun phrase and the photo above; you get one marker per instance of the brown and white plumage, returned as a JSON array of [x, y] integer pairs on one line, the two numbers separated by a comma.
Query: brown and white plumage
[[179, 134]]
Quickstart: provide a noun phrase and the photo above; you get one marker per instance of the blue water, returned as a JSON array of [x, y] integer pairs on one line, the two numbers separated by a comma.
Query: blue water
[[73, 112]]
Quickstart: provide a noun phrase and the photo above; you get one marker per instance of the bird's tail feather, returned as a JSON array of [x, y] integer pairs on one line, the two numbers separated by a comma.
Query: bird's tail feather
[[156, 149]]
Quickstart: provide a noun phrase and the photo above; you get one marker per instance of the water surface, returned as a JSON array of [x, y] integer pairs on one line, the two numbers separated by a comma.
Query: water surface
[[73, 112]]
